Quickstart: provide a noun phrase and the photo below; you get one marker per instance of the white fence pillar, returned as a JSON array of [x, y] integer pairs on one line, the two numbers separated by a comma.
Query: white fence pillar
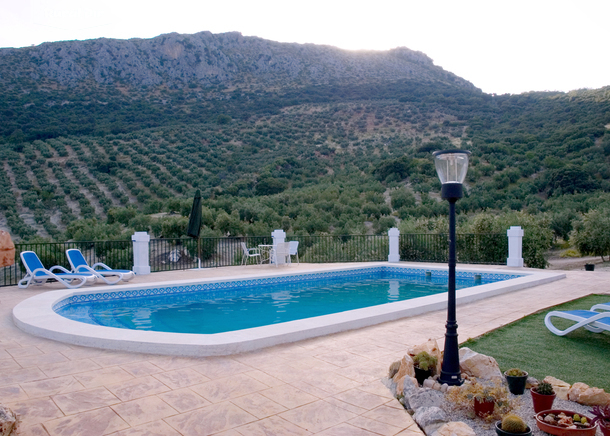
[[141, 265], [279, 237], [393, 237], [515, 246]]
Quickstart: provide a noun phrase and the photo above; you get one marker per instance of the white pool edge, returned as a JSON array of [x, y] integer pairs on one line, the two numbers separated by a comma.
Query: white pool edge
[[35, 315]]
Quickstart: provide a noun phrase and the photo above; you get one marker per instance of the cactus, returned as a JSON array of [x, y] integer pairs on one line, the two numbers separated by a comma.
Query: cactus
[[425, 361], [545, 388], [511, 423]]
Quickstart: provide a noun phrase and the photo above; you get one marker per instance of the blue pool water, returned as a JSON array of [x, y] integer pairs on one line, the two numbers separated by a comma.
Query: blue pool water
[[229, 306]]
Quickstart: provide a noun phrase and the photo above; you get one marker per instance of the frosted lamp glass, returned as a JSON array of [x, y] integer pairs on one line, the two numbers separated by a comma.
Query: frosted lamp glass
[[451, 165]]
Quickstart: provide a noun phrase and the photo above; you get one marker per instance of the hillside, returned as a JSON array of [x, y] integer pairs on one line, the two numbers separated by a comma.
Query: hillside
[[310, 138]]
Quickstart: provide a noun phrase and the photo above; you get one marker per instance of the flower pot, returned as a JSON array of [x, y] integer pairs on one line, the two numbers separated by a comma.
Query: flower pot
[[516, 384], [501, 432], [589, 267], [604, 426], [542, 402], [483, 408], [422, 374]]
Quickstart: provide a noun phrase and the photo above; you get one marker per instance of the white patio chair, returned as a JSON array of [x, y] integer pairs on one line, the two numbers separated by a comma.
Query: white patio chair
[[250, 253], [280, 253], [294, 250]]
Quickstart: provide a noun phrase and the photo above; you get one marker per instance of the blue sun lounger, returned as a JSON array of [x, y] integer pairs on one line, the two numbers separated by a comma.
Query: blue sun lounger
[[111, 276], [595, 322], [601, 306], [37, 274]]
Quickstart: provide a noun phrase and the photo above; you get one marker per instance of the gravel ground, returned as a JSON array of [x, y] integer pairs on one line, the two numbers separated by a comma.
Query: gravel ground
[[525, 410]]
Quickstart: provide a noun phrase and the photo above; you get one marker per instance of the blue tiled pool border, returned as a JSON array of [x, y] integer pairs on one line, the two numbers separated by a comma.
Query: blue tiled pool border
[[219, 287]]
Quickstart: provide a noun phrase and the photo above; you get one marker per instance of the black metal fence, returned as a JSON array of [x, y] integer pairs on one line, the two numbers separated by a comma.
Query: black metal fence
[[187, 253], [488, 248]]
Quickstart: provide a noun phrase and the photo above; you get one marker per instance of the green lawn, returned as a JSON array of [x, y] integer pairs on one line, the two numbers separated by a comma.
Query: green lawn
[[580, 356]]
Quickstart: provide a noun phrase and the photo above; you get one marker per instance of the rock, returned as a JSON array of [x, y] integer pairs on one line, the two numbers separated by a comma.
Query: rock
[[405, 368], [428, 383], [478, 365], [430, 419], [425, 398], [431, 347], [584, 394], [8, 421], [560, 387], [454, 429], [394, 367], [410, 387]]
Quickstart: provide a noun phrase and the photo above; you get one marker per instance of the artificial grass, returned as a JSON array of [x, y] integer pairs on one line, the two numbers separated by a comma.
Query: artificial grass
[[580, 356]]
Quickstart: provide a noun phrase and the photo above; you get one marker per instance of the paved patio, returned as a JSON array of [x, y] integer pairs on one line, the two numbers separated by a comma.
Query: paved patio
[[324, 386]]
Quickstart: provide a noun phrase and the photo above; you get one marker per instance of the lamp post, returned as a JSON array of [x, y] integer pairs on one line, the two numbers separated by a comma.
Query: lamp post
[[451, 167]]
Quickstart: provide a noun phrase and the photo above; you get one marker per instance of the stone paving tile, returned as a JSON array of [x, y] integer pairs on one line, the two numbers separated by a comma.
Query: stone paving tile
[[317, 416], [347, 406], [156, 428], [52, 386], [210, 419], [24, 352], [226, 388], [144, 410], [97, 422], [361, 399], [374, 426], [69, 367], [288, 396], [8, 364], [115, 358], [272, 426], [170, 363], [104, 376], [41, 359], [346, 429], [78, 353], [258, 405], [13, 376], [31, 430], [181, 378], [11, 394], [264, 378], [184, 400], [83, 401], [342, 358], [137, 388], [329, 381], [140, 369], [219, 367], [36, 411], [392, 416]]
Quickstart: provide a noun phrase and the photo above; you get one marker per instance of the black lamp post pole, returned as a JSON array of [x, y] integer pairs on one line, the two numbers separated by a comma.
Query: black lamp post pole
[[450, 372]]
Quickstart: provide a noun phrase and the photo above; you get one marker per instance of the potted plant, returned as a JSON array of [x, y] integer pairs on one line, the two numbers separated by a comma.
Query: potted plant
[[516, 380], [484, 403], [512, 425], [424, 365], [589, 267], [543, 396], [602, 416]]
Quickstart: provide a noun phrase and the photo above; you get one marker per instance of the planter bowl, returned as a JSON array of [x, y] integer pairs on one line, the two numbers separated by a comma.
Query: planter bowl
[[562, 431], [501, 432]]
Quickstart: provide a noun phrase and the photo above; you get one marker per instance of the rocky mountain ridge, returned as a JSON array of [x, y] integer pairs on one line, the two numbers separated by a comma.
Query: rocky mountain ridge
[[205, 59]]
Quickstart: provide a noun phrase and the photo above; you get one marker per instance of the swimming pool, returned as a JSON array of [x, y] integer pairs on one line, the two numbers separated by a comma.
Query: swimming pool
[[37, 315], [243, 304]]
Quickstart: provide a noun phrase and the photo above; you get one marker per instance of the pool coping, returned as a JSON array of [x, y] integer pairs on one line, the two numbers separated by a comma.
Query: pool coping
[[36, 316]]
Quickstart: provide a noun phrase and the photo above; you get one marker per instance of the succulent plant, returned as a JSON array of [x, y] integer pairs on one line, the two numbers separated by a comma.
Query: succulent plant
[[512, 423], [545, 388], [425, 361], [515, 372]]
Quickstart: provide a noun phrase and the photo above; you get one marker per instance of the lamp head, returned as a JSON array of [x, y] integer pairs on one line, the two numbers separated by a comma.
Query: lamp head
[[451, 167]]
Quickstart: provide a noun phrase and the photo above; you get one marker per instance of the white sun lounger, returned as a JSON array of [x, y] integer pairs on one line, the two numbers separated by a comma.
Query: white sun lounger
[[595, 322]]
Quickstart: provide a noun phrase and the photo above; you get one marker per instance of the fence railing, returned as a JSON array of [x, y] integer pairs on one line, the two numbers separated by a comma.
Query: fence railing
[[187, 253]]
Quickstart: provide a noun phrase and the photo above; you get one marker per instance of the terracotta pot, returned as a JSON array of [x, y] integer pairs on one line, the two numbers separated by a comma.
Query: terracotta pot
[[483, 408], [501, 432], [542, 402], [516, 384], [604, 426]]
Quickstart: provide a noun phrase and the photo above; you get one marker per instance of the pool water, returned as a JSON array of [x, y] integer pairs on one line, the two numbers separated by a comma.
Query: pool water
[[254, 306]]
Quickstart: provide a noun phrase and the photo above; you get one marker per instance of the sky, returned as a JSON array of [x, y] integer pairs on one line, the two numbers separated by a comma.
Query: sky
[[500, 46]]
